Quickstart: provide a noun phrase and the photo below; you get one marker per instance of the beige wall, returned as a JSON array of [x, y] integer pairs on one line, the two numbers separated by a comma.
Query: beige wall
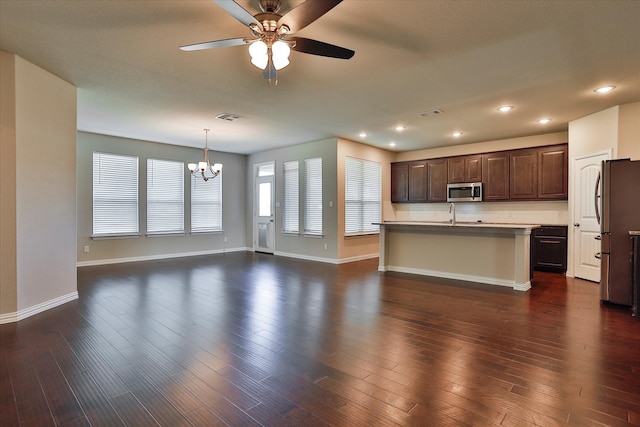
[[361, 246], [43, 194], [486, 147], [104, 251], [299, 245], [629, 131], [8, 271], [594, 133], [615, 130]]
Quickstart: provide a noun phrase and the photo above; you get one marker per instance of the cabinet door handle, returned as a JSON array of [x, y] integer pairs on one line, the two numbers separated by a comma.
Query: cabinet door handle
[[576, 224], [598, 255], [598, 237]]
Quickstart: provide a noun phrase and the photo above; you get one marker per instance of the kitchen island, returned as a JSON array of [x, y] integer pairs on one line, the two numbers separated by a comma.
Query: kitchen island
[[490, 253]]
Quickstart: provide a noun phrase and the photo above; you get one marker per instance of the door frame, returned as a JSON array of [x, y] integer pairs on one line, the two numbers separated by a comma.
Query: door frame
[[571, 248], [255, 219]]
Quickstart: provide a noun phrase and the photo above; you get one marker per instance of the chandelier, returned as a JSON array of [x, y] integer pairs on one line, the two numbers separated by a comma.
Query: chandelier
[[205, 165]]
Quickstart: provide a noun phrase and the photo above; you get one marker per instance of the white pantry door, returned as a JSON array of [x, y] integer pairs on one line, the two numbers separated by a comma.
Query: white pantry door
[[586, 229]]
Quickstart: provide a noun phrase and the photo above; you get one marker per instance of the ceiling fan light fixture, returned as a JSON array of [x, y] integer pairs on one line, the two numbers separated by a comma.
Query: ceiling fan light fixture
[[258, 51], [280, 52]]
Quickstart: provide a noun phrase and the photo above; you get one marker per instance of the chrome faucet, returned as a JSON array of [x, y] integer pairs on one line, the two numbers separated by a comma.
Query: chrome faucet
[[452, 211]]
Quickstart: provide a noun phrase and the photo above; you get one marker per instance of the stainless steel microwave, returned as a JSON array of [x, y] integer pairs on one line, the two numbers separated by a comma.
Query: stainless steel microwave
[[467, 192]]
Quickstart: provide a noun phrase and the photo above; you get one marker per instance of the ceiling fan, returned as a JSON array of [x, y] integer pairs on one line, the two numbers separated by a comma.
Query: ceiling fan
[[271, 40]]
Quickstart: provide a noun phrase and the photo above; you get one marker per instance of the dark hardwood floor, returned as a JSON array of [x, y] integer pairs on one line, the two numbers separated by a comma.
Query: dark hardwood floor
[[245, 339]]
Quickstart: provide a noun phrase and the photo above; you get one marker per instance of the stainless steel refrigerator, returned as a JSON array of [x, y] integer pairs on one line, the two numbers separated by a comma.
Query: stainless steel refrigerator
[[618, 212]]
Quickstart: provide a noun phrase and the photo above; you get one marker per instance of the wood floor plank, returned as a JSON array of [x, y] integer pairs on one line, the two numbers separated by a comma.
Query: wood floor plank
[[95, 403], [60, 397], [252, 339], [30, 400], [131, 411]]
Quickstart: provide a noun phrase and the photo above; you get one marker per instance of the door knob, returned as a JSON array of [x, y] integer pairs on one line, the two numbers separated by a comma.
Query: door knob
[[576, 224]]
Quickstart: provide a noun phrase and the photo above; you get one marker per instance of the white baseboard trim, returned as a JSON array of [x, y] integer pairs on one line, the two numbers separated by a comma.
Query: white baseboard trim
[[358, 258], [462, 277], [158, 257], [327, 260], [306, 257], [38, 308]]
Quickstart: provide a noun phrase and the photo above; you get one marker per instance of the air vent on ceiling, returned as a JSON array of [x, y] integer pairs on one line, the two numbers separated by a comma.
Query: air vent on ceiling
[[434, 112], [228, 117]]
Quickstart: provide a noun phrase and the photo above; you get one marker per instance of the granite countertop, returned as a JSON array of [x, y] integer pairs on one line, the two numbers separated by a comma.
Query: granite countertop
[[460, 224]]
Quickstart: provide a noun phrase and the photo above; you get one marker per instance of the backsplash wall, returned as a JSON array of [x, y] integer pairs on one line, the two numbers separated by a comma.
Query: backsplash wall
[[536, 212]]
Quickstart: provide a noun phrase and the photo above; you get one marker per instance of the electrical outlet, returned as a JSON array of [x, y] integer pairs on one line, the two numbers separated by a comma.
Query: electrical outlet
[[86, 249], [325, 247], [225, 238]]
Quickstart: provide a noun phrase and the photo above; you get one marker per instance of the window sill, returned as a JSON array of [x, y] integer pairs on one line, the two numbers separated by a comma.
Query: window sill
[[202, 233], [115, 236], [290, 233], [317, 236], [361, 235], [179, 233]]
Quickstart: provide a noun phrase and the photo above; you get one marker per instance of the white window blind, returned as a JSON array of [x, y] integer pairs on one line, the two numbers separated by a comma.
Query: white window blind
[[165, 196], [313, 196], [291, 212], [206, 204], [363, 194], [115, 194]]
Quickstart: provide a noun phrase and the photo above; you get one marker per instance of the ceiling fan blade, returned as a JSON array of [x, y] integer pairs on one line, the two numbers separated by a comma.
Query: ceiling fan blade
[[305, 13], [213, 44], [316, 47], [238, 12]]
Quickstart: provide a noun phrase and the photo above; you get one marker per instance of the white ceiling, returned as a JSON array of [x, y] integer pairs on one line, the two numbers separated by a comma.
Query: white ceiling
[[463, 57]]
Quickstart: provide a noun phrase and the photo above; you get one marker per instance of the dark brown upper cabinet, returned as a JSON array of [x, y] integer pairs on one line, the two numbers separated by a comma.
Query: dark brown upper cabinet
[[399, 182], [553, 172], [409, 182], [495, 176], [539, 173], [418, 181], [523, 174], [465, 169], [437, 180]]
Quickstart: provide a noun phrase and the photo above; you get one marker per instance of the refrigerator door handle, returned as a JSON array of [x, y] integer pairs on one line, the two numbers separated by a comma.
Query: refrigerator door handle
[[596, 198]]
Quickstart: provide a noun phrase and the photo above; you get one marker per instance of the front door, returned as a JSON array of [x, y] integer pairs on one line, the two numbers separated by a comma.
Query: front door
[[263, 208], [586, 230]]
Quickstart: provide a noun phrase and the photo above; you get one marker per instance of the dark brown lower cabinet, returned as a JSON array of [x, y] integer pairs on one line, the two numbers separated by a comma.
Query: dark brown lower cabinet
[[549, 248]]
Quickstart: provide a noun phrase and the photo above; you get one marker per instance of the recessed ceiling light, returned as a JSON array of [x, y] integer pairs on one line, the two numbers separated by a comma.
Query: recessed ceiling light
[[456, 134], [392, 144], [604, 89], [505, 108], [544, 121], [400, 128], [362, 134]]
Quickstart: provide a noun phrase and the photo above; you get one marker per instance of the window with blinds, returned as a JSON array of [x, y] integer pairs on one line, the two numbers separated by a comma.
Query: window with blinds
[[115, 194], [206, 204], [313, 196], [165, 196], [291, 211], [363, 195]]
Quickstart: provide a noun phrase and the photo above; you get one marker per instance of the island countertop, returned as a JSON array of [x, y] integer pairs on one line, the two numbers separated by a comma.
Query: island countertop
[[460, 224], [482, 252]]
